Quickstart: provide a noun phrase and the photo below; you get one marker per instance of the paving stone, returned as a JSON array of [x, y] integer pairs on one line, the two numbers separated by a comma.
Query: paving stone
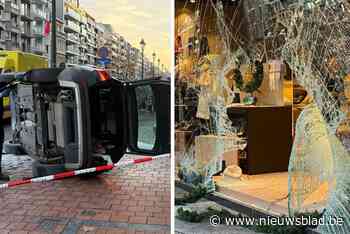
[[127, 200]]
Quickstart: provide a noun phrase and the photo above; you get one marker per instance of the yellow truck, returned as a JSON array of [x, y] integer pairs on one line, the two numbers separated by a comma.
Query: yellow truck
[[17, 61]]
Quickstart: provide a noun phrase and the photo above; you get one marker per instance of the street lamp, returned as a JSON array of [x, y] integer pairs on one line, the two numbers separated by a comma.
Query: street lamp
[[158, 67], [53, 34], [154, 58], [142, 44], [162, 68]]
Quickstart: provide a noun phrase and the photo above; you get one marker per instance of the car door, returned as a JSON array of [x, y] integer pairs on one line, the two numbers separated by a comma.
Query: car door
[[147, 116]]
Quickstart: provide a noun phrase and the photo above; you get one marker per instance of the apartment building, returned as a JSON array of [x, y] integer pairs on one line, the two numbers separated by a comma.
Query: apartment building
[[22, 24], [40, 11], [91, 31], [138, 63], [20, 28], [61, 43], [61, 35], [100, 38], [10, 25], [26, 26], [72, 29], [3, 32], [135, 61], [83, 45], [148, 74], [79, 36]]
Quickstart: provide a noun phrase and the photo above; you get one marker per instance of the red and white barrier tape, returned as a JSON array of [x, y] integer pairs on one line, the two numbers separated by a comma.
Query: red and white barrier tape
[[81, 172]]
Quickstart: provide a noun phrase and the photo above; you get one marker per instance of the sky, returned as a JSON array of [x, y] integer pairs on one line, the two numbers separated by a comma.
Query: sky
[[136, 19]]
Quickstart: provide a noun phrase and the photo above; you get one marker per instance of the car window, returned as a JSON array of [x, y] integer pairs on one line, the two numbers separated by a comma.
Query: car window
[[147, 122]]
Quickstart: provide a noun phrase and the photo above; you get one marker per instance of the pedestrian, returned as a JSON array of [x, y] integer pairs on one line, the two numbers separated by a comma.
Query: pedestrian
[[2, 137]]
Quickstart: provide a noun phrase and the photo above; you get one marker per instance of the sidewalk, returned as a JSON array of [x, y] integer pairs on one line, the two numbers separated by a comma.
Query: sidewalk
[[182, 227], [130, 200], [15, 166]]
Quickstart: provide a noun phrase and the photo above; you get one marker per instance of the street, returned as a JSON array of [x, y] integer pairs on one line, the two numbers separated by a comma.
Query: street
[[17, 167], [130, 200]]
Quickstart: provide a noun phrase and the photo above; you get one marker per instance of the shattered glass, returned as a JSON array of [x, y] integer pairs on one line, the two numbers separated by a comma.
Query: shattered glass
[[316, 47], [313, 38], [315, 44]]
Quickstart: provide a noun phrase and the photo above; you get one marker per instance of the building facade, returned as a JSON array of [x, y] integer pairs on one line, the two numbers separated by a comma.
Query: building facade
[[25, 26]]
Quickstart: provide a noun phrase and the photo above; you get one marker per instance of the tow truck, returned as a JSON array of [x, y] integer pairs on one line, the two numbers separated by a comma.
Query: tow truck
[[76, 118]]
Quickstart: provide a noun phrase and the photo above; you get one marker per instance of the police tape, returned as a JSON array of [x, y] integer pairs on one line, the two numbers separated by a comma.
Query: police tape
[[69, 174]]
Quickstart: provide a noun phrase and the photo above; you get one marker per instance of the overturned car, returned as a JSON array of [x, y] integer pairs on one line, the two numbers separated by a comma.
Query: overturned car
[[76, 118]]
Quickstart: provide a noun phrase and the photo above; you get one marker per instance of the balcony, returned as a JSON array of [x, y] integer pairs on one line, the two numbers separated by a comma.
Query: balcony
[[83, 45], [13, 27], [15, 8], [71, 27], [9, 6], [3, 37], [26, 14], [84, 58], [83, 33], [38, 2], [73, 50], [38, 14], [72, 38], [72, 15], [38, 32], [93, 45], [72, 60], [5, 17], [91, 54], [91, 33], [25, 31]]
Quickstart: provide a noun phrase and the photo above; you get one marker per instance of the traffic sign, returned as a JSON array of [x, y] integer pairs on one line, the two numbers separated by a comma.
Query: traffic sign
[[104, 61], [103, 52]]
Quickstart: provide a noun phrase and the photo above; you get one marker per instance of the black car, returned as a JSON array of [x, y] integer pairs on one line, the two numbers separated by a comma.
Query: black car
[[70, 118]]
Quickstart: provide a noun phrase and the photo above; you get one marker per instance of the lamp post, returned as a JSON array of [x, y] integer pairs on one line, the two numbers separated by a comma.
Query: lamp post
[[158, 66], [154, 58], [142, 44], [162, 68], [53, 34]]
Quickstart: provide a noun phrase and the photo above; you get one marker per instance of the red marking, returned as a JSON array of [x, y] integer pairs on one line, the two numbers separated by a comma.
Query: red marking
[[105, 168], [141, 160], [72, 173], [64, 175], [18, 182], [103, 75]]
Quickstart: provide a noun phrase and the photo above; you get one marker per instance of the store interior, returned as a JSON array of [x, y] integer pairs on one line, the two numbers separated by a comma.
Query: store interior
[[236, 120]]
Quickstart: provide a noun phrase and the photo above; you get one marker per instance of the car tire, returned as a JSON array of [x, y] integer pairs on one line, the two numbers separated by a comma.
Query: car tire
[[13, 148], [44, 169]]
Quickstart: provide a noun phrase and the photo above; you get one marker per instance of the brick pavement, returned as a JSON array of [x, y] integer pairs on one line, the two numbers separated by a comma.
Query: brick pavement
[[130, 200]]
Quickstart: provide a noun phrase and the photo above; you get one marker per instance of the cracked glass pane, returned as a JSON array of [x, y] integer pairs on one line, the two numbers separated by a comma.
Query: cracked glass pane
[[313, 38]]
